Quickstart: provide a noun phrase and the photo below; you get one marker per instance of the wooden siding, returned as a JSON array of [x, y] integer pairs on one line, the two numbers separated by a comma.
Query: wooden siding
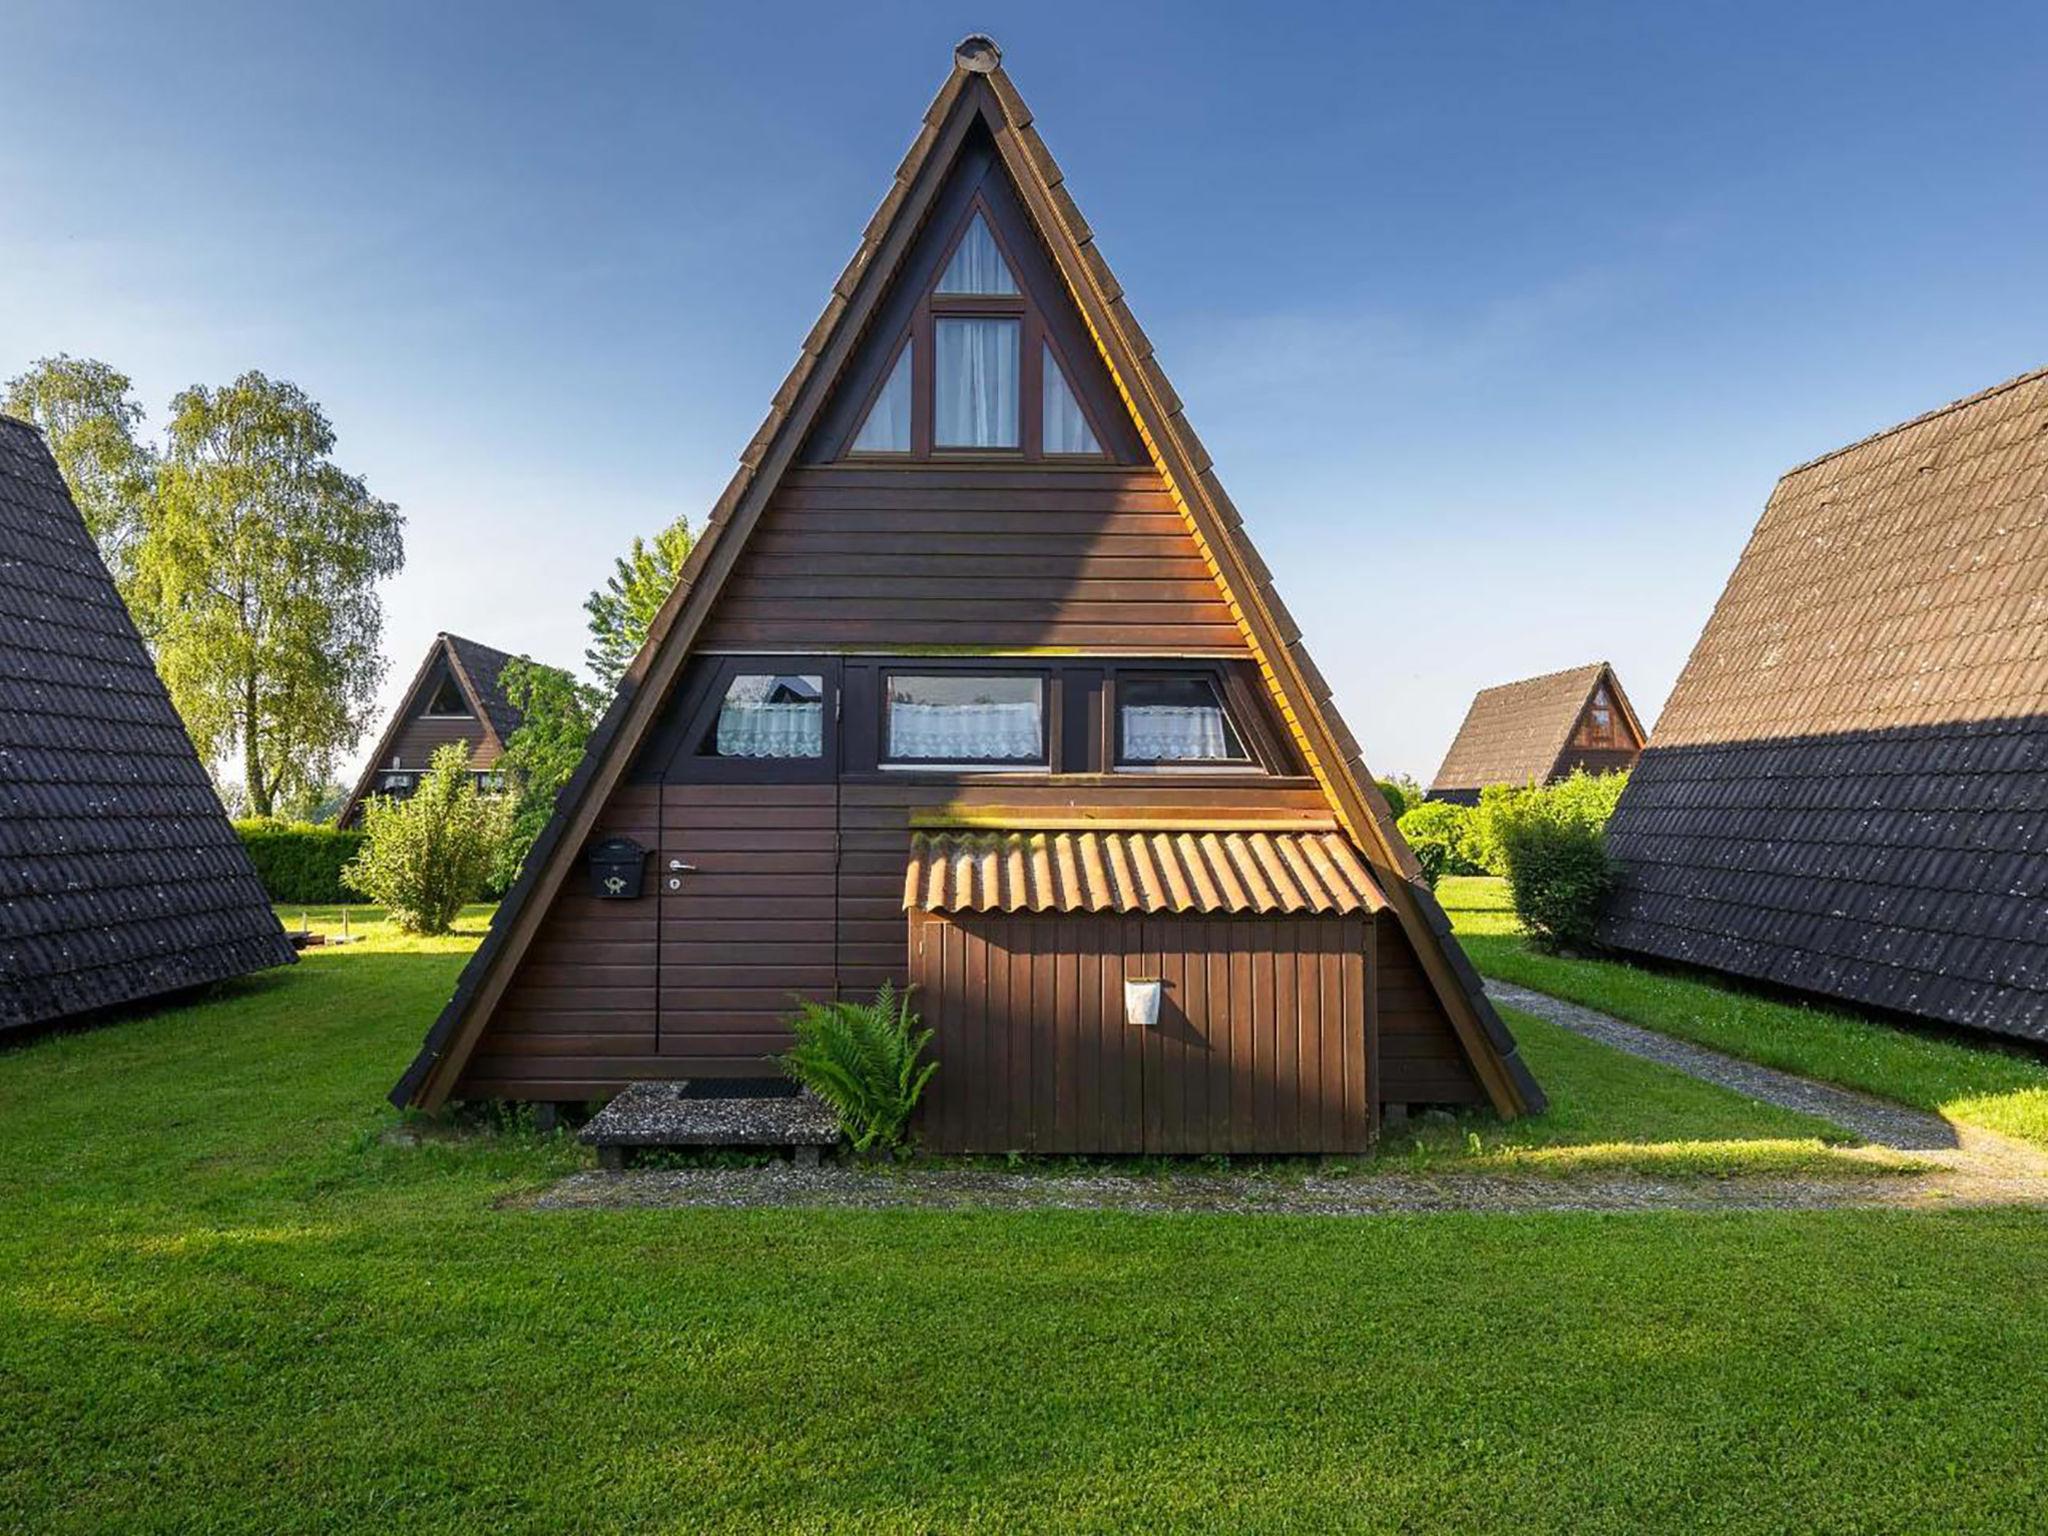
[[579, 1020], [416, 741], [753, 925], [1264, 1042], [861, 557], [1421, 1061]]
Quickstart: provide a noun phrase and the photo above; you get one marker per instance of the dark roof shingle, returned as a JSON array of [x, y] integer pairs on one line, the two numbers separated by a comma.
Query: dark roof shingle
[[120, 877], [1848, 790]]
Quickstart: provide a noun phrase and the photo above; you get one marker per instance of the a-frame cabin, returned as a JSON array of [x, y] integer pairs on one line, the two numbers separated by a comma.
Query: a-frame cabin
[[1540, 730], [974, 681], [457, 695]]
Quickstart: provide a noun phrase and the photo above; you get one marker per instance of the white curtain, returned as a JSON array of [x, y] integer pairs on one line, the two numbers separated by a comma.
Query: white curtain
[[965, 733], [977, 265], [771, 730], [976, 394], [1066, 429], [887, 429], [1175, 733]]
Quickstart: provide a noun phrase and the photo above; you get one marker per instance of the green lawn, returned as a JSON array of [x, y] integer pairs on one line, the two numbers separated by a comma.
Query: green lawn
[[231, 1300], [1970, 1085]]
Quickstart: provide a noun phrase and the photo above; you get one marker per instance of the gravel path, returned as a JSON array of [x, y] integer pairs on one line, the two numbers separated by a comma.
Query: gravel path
[[1965, 1150], [1966, 1166]]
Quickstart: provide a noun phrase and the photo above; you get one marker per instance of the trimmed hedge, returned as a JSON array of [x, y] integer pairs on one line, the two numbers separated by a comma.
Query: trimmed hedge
[[300, 862]]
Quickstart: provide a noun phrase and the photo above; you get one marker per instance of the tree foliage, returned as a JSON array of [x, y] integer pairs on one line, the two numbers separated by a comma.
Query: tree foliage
[[427, 855], [262, 565], [89, 416], [540, 757], [1441, 836], [623, 609]]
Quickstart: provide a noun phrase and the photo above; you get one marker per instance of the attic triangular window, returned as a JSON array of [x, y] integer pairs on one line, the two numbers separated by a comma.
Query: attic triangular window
[[977, 265], [1066, 429], [887, 429], [448, 700]]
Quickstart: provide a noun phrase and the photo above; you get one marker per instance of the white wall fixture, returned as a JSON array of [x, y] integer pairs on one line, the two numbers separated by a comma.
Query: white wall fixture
[[1141, 1002]]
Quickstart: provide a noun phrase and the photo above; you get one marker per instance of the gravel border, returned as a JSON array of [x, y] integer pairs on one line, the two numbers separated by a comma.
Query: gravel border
[[781, 1186], [1871, 1119]]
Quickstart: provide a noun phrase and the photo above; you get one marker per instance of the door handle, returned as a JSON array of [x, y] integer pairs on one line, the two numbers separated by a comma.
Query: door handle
[[677, 866]]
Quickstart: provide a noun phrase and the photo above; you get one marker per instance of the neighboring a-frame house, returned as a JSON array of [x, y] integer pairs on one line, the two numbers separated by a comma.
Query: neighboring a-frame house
[[120, 877], [1847, 793], [974, 681], [456, 696], [1541, 730]]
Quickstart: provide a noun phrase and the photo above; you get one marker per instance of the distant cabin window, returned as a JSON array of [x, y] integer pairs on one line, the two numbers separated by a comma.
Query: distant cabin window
[[1168, 720], [395, 783], [1065, 428], [887, 429], [959, 718], [771, 715], [977, 266], [975, 391], [448, 701]]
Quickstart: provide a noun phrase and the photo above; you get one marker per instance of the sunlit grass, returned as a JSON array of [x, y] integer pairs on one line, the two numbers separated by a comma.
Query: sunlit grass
[[237, 1293], [1985, 1086]]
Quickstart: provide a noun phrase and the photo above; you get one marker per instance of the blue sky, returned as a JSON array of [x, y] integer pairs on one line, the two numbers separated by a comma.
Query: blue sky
[[1500, 320]]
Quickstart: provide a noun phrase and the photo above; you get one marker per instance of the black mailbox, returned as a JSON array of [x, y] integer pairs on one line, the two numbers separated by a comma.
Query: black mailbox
[[616, 865]]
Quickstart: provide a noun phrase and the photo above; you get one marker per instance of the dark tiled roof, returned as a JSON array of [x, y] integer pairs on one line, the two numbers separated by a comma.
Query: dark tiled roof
[[1514, 733], [1848, 791], [120, 878], [484, 667]]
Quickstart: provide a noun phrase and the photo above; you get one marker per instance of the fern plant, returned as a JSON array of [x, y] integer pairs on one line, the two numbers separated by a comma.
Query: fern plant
[[862, 1059]]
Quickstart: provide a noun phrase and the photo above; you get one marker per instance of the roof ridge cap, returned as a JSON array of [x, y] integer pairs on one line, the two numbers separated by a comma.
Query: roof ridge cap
[[1913, 421]]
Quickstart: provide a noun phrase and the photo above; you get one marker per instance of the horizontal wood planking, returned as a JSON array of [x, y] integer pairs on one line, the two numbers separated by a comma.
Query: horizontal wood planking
[[1421, 1061], [1262, 1045], [589, 978], [968, 556], [416, 740]]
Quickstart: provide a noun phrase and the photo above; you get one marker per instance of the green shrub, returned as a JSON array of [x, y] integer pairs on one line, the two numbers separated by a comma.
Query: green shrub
[[1440, 834], [426, 856], [1402, 793], [298, 862], [862, 1059], [1586, 798], [1558, 870]]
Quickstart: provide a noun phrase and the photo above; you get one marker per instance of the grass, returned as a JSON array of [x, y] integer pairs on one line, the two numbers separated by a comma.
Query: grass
[[1967, 1084], [232, 1300]]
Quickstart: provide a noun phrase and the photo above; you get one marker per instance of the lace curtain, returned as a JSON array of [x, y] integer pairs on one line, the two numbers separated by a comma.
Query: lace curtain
[[975, 401], [965, 733], [1175, 733]]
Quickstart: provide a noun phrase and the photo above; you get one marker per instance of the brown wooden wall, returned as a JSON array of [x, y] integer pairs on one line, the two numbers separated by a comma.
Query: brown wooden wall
[[865, 556], [579, 1020], [1264, 1043], [1421, 1061], [417, 739]]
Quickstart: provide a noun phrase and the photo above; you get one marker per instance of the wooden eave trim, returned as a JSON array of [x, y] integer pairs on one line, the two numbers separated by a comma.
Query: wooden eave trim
[[647, 680], [1184, 464]]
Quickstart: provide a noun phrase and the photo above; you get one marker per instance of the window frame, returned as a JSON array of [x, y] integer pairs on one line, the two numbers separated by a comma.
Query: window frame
[[919, 335], [447, 684], [1048, 713], [1114, 737]]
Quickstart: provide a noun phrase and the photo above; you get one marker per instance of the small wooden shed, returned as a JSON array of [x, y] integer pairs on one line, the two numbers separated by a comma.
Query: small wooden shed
[[1540, 730], [975, 681], [456, 696]]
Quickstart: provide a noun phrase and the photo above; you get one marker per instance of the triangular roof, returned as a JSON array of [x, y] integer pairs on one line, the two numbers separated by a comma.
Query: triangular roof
[[1844, 793], [478, 671], [120, 877], [979, 92], [1514, 733]]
